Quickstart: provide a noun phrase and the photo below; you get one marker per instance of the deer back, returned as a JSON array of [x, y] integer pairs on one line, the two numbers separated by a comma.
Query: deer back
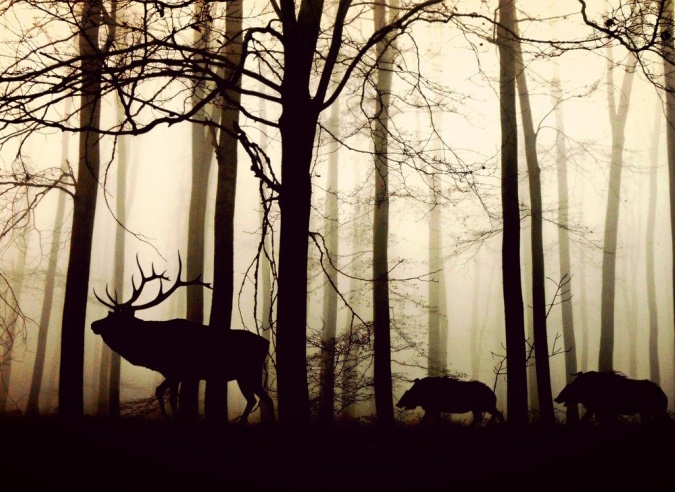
[[179, 348]]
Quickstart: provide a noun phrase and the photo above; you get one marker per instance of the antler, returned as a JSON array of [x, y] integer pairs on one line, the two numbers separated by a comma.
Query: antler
[[161, 296]]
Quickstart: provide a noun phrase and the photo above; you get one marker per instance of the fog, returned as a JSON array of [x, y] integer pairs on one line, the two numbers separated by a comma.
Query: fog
[[468, 122]]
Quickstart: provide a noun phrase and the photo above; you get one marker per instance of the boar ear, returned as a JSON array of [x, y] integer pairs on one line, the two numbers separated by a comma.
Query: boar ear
[[416, 380]]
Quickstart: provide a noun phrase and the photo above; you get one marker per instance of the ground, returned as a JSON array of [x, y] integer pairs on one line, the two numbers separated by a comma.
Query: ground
[[96, 454]]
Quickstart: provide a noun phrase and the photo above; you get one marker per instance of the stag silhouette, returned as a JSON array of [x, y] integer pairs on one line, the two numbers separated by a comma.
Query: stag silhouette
[[180, 349]]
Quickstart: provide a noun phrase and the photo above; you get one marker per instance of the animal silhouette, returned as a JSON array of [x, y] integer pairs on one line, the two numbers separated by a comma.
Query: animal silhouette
[[180, 349]]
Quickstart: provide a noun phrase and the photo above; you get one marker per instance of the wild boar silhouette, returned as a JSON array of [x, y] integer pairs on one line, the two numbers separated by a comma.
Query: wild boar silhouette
[[445, 394], [608, 394]]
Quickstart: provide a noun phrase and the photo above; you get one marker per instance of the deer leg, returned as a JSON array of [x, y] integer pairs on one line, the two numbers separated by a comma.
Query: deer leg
[[268, 404], [246, 389], [173, 397], [159, 393]]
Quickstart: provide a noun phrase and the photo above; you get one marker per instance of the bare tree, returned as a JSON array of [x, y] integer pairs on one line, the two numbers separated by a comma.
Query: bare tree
[[545, 398], [330, 298], [564, 246], [513, 294], [618, 115], [654, 368], [77, 277]]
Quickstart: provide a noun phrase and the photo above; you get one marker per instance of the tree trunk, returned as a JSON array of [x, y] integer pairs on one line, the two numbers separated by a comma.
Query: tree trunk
[[120, 243], [188, 408], [350, 369], [226, 192], [266, 283], [384, 405], [434, 363], [542, 367], [513, 296], [669, 52], [33, 404], [569, 341], [617, 118], [330, 300], [654, 371], [71, 373], [9, 339]]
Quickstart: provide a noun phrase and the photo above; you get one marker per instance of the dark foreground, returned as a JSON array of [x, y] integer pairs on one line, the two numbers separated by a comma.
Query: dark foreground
[[148, 455]]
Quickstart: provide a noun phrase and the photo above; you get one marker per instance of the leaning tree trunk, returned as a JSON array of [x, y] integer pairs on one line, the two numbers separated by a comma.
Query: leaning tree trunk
[[330, 299], [617, 118], [512, 288], [564, 249], [71, 373]]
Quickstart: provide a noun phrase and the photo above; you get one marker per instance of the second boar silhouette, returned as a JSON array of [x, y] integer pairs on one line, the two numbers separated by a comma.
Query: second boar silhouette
[[180, 349], [610, 393], [445, 394]]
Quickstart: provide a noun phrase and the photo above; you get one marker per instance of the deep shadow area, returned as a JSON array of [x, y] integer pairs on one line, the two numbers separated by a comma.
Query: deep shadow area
[[147, 455]]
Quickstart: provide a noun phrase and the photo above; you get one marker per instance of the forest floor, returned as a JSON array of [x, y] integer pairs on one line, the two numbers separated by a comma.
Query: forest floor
[[97, 454]]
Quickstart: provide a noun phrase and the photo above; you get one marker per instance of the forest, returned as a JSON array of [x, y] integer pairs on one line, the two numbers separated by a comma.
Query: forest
[[402, 242]]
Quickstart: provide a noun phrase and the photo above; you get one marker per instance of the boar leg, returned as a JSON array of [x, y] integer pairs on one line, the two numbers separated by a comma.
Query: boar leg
[[587, 416], [477, 417]]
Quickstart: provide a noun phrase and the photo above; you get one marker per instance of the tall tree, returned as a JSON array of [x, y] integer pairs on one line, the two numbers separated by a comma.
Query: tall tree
[[33, 404], [564, 246], [543, 371], [8, 340], [512, 288], [668, 53], [330, 299], [435, 364], [202, 154], [618, 115], [654, 370], [226, 191], [381, 316], [71, 372]]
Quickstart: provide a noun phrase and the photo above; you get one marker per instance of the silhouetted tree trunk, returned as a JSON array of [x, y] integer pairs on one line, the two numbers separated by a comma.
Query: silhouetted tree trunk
[[617, 118], [513, 295], [569, 341], [668, 40], [526, 274], [226, 192], [384, 405], [350, 369], [434, 363], [629, 286], [202, 153], [583, 301], [327, 371], [71, 373], [121, 205], [266, 281], [33, 404], [654, 370], [9, 337], [542, 367]]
